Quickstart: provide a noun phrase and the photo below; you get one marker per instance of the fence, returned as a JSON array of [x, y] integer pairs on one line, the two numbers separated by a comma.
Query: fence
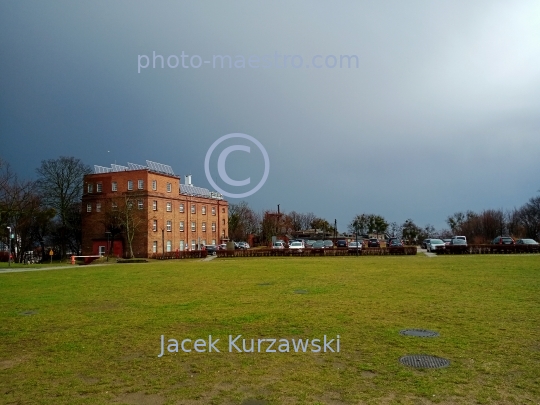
[[185, 254], [407, 250], [489, 249]]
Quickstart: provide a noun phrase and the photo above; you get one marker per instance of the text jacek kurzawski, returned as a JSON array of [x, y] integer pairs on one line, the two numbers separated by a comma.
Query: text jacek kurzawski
[[237, 344]]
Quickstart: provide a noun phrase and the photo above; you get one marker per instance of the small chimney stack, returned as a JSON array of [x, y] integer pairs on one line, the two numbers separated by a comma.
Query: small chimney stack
[[188, 179]]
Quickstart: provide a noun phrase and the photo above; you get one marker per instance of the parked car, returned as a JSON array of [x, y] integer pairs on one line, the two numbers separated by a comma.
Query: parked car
[[223, 246], [211, 249], [355, 245], [526, 242], [503, 240], [278, 245], [309, 242], [447, 241], [424, 243], [341, 243], [395, 243], [458, 242], [328, 244], [296, 246], [373, 242], [319, 244], [435, 244], [243, 245]]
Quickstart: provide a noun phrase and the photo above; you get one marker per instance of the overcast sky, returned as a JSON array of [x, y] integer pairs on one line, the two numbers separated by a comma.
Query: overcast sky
[[442, 113]]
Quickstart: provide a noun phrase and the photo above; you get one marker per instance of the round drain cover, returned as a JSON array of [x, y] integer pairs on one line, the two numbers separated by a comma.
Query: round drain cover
[[424, 361], [418, 333]]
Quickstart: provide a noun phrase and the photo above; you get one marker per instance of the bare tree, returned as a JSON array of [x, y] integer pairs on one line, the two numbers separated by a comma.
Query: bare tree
[[60, 183]]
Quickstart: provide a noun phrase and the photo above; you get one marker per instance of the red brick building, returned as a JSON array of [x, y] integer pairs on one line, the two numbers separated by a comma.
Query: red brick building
[[149, 207]]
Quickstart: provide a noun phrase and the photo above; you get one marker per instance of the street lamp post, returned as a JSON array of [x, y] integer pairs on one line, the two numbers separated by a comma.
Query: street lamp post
[[108, 244], [9, 253]]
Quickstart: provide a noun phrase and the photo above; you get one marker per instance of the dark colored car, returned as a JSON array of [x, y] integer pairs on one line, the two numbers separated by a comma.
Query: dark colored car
[[328, 244], [319, 244], [211, 249], [458, 242], [373, 242], [341, 243], [503, 240], [395, 243], [424, 243], [447, 241]]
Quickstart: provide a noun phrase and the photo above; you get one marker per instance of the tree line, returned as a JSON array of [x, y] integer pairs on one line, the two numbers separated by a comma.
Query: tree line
[[45, 212]]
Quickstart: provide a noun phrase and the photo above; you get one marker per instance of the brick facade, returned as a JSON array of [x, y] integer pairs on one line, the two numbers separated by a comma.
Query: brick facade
[[158, 212]]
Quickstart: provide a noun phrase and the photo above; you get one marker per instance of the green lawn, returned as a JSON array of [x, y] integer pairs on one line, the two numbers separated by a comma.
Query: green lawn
[[91, 335]]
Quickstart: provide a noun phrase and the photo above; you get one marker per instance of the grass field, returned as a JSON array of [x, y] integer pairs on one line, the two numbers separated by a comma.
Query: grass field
[[91, 335]]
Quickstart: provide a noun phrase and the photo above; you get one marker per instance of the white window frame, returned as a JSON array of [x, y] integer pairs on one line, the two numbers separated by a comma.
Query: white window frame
[[169, 187], [154, 184], [181, 226], [140, 204], [114, 186], [203, 209], [169, 206], [204, 227], [98, 207], [169, 246], [169, 226], [154, 225], [88, 207], [140, 184], [193, 209], [181, 208], [90, 188], [213, 226], [99, 187], [213, 210], [154, 246], [154, 205], [193, 226], [130, 185], [193, 244], [182, 245]]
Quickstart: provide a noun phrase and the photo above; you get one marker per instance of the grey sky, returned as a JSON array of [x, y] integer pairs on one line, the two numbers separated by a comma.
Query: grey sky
[[441, 115]]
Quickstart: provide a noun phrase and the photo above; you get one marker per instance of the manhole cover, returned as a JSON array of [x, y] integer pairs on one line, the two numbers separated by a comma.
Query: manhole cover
[[418, 332], [424, 361], [29, 313], [300, 292]]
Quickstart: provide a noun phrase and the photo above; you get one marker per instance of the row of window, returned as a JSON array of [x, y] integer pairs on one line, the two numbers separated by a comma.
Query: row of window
[[140, 205], [181, 246], [181, 227], [114, 186]]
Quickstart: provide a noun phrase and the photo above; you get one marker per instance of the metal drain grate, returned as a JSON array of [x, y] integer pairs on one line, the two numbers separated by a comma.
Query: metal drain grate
[[27, 313], [424, 361], [418, 333]]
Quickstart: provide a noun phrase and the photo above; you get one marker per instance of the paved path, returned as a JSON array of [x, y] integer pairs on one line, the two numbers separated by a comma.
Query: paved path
[[424, 251], [24, 269]]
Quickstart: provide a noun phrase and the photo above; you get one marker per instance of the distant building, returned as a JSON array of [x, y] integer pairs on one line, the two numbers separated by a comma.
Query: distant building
[[162, 214]]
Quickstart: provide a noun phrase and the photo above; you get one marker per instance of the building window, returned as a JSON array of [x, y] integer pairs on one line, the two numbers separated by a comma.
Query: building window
[[114, 186], [154, 246], [213, 226], [140, 184], [98, 207], [182, 245], [154, 225], [204, 226], [223, 210], [213, 241], [169, 207], [99, 187], [154, 205], [181, 207], [88, 207], [193, 226], [130, 184], [169, 246], [90, 187], [181, 226], [154, 184], [169, 226], [130, 205], [203, 242], [193, 243], [169, 187], [114, 205], [223, 222], [193, 208], [204, 209], [213, 210], [140, 204]]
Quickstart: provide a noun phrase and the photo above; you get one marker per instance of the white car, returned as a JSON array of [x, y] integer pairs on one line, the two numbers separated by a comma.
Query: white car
[[297, 245], [278, 245], [355, 245], [435, 244]]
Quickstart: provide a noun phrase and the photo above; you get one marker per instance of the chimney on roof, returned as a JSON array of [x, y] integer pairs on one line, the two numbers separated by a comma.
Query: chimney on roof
[[188, 180]]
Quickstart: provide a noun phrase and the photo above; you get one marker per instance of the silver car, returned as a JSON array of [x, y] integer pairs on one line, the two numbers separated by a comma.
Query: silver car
[[435, 244]]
